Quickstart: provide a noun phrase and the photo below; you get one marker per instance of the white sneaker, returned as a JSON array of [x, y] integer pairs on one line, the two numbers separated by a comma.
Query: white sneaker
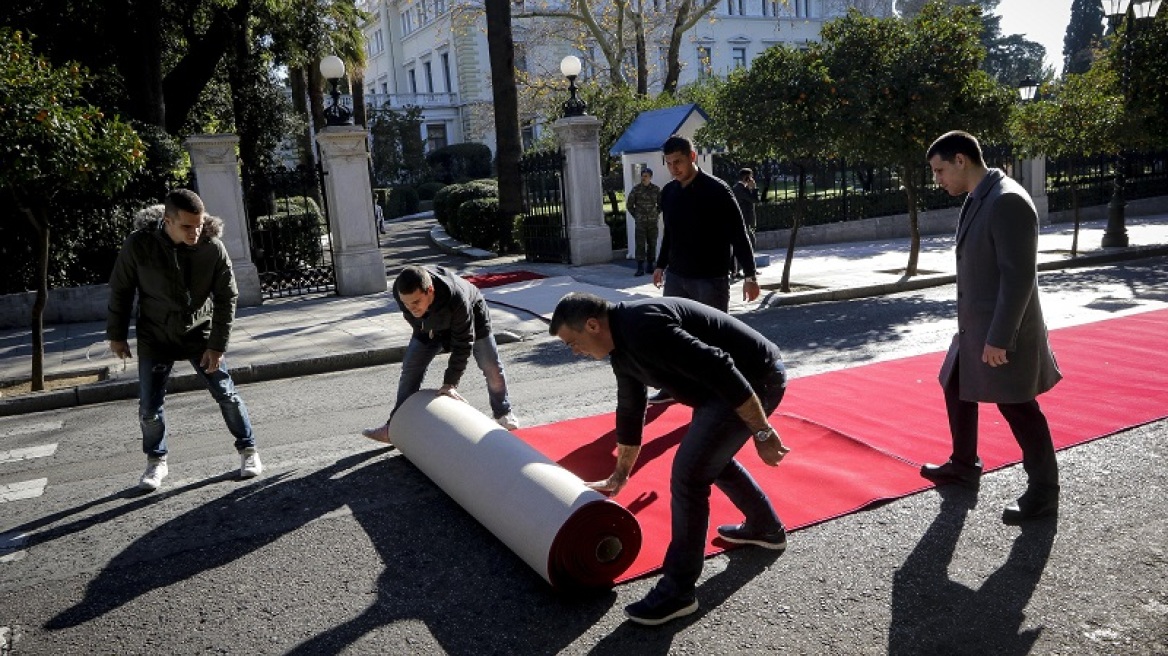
[[156, 470], [249, 464], [508, 421], [379, 434]]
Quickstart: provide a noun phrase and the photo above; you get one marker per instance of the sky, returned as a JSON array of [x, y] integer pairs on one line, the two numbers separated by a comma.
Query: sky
[[1044, 21]]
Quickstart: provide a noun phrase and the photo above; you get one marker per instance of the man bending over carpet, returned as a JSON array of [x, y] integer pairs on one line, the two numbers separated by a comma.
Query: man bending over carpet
[[731, 376], [447, 313]]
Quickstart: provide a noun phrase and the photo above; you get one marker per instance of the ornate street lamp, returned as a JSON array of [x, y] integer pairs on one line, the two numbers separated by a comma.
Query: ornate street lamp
[[333, 69], [570, 67], [1027, 88], [1134, 11]]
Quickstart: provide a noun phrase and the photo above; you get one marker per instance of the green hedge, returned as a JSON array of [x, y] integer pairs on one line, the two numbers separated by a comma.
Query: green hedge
[[478, 223], [460, 162], [427, 190], [402, 201], [287, 241], [450, 198]]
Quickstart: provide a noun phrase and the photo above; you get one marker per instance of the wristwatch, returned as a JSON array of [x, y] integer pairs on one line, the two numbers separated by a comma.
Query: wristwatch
[[765, 434], [751, 278]]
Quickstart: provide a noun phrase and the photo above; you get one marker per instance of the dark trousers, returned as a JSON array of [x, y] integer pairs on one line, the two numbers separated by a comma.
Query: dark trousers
[[704, 458], [1026, 422]]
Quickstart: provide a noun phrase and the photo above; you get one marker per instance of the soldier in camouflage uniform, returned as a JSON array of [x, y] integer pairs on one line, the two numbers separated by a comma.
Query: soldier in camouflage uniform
[[643, 203]]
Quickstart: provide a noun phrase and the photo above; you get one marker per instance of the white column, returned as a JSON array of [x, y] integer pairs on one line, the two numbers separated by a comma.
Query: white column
[[1036, 185], [216, 166], [356, 258], [589, 240]]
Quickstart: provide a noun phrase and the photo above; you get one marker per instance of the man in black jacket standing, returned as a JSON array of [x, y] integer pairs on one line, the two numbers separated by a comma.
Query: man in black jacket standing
[[186, 291], [732, 377], [447, 313], [704, 230]]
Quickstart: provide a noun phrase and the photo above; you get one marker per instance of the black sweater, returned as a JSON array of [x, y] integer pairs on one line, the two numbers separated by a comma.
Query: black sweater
[[702, 223], [693, 351]]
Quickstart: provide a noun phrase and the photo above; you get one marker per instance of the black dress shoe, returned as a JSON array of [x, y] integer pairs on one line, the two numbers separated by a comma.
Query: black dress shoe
[[951, 473], [1034, 503]]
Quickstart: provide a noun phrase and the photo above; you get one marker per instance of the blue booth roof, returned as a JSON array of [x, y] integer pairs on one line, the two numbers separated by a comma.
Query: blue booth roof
[[650, 129]]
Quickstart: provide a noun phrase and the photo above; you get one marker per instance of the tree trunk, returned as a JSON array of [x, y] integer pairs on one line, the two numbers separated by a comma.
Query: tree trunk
[[914, 251], [183, 85], [642, 54], [298, 79], [796, 220], [1075, 209], [508, 144], [673, 66], [37, 377], [357, 90], [136, 30]]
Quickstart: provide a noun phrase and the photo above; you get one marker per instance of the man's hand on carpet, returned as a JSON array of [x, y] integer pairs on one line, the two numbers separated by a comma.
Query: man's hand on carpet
[[610, 485], [452, 392], [772, 451]]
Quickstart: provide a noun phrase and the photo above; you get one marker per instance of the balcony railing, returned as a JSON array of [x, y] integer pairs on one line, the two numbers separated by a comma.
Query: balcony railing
[[397, 100]]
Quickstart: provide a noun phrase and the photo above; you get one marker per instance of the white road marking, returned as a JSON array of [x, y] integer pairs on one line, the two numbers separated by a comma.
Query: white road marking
[[23, 490], [25, 429], [28, 453]]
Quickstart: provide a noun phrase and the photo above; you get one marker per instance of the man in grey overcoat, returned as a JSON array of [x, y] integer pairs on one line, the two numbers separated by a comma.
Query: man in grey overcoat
[[1001, 353]]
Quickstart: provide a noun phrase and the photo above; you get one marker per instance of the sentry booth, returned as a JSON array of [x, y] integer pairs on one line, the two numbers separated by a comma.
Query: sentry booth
[[640, 147]]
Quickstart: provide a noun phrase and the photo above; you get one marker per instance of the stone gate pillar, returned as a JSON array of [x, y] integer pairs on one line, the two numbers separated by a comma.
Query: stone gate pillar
[[589, 240], [356, 258], [216, 166]]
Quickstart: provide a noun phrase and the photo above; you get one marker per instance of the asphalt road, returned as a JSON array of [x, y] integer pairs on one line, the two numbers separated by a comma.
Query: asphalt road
[[344, 547]]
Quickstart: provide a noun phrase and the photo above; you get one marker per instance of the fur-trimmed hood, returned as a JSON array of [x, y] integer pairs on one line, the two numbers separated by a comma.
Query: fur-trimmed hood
[[152, 216]]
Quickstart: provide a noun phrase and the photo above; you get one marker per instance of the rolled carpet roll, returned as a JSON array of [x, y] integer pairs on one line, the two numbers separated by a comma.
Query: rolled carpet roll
[[571, 535]]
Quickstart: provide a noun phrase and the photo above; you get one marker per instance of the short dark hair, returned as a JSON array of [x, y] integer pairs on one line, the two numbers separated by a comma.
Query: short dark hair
[[954, 143], [647, 171], [182, 200], [575, 309], [677, 144], [744, 173], [413, 278]]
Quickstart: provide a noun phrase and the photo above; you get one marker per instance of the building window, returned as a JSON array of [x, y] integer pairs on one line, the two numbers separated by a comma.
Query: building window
[[439, 7], [705, 62], [423, 13], [739, 57], [413, 75], [802, 8], [435, 136], [407, 20], [735, 7], [446, 71], [429, 77], [378, 44], [527, 134]]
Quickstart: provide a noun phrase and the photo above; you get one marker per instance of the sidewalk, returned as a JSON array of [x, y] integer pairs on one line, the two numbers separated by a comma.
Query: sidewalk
[[309, 335]]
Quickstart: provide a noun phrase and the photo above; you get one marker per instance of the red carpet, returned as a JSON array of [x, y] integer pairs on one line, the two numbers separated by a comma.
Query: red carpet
[[501, 278], [858, 436]]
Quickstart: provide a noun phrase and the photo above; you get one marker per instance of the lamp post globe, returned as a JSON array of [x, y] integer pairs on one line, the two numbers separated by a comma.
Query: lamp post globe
[[332, 68], [570, 66]]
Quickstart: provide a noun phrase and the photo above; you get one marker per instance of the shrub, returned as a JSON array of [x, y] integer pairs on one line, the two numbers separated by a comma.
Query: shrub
[[402, 201], [460, 162], [427, 190], [478, 223], [286, 241], [450, 198]]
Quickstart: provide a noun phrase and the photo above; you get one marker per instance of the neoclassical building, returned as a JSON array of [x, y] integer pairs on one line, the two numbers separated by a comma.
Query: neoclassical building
[[433, 53]]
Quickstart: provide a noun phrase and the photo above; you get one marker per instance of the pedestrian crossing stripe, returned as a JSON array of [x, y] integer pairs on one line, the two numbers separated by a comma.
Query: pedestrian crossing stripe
[[28, 453], [25, 429], [23, 490]]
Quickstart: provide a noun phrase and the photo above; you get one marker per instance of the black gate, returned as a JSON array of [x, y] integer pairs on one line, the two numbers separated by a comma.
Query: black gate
[[544, 233], [289, 228]]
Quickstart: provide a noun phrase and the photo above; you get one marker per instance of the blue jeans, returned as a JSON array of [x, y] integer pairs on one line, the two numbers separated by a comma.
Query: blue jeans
[[705, 457], [152, 377], [419, 355], [714, 292]]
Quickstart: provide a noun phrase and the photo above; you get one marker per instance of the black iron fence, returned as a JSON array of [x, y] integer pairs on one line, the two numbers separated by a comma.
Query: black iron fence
[[1146, 176], [835, 190], [543, 233], [289, 230]]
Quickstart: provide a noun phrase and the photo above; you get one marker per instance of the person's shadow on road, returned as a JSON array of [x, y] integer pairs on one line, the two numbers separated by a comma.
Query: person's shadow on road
[[441, 567], [932, 614]]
